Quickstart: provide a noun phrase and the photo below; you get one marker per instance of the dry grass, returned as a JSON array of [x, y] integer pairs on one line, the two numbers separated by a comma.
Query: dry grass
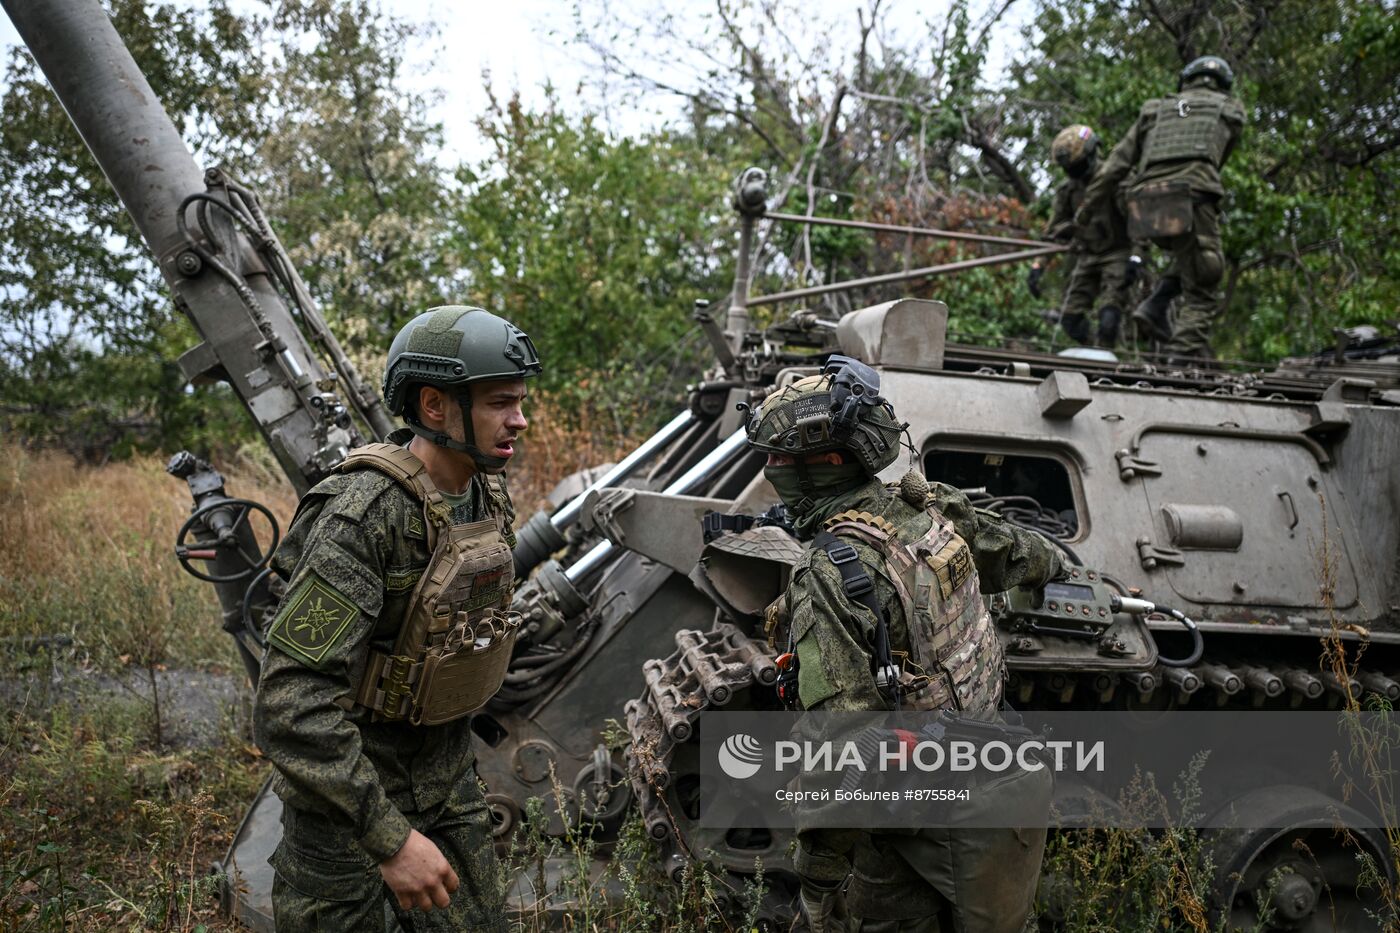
[[553, 447], [86, 555], [103, 826]]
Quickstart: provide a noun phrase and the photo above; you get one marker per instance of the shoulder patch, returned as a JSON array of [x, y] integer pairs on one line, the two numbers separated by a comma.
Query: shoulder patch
[[313, 620], [952, 565], [413, 525]]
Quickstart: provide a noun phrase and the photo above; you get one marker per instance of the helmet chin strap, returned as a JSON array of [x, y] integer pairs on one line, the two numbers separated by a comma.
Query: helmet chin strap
[[485, 463]]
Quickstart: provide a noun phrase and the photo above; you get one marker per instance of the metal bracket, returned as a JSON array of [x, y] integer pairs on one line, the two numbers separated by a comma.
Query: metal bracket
[[610, 504], [1130, 466], [1152, 557]]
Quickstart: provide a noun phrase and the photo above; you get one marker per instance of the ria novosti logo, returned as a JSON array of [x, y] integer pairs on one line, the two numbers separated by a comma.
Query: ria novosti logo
[[740, 756]]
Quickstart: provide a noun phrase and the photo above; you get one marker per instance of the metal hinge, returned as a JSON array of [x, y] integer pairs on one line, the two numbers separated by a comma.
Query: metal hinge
[[1151, 556], [1130, 466]]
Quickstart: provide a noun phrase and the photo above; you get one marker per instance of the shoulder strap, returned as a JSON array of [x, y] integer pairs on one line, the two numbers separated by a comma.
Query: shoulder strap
[[400, 465], [860, 588]]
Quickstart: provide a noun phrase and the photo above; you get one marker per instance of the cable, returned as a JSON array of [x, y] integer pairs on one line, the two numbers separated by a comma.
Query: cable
[[1137, 606], [1026, 512], [1198, 645]]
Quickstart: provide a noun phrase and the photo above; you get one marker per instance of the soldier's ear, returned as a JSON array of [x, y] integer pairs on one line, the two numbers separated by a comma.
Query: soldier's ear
[[432, 404]]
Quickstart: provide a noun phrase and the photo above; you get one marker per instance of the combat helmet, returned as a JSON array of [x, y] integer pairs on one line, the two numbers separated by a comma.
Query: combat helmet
[[451, 347], [1075, 148], [839, 410], [1208, 66]]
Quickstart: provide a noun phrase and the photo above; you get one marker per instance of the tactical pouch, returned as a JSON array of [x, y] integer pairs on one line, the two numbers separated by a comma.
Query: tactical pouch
[[466, 670], [1159, 209]]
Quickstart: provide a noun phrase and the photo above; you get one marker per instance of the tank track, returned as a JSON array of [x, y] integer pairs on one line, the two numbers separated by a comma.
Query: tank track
[[725, 668]]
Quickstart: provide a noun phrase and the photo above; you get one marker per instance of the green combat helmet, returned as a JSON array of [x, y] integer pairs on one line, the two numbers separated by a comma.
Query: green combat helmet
[[450, 348], [839, 410], [1208, 66], [1075, 148]]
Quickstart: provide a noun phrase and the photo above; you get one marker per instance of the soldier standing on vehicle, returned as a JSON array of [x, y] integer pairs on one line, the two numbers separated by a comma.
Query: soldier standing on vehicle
[[1104, 267], [1169, 164], [846, 614], [394, 628]]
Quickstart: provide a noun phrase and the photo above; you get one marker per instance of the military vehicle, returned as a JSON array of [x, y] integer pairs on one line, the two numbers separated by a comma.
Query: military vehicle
[[1263, 505]]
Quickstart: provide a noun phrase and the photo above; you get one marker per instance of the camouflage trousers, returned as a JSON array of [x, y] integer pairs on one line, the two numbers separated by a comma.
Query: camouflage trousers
[[954, 879], [1198, 259], [1097, 277], [325, 883]]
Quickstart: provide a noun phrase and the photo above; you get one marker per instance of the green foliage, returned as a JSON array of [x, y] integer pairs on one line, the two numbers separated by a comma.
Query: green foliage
[[358, 198], [100, 831], [1310, 213], [597, 246], [87, 331]]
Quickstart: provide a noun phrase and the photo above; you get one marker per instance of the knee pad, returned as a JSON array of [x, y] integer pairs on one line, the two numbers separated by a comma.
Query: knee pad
[[1210, 263]]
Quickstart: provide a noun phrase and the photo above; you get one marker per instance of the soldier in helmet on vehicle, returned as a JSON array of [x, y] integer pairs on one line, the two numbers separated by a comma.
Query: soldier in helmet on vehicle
[[394, 628], [1169, 167], [1104, 266], [846, 615]]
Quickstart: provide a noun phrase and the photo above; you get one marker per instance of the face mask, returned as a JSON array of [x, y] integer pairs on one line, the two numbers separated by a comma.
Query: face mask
[[826, 480]]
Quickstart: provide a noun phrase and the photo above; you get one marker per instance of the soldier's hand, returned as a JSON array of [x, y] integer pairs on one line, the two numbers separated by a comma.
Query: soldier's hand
[[1033, 280], [418, 874], [1134, 270]]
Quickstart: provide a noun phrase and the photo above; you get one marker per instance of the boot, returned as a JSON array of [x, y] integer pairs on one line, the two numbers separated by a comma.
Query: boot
[[1151, 315], [1076, 327], [1109, 319], [824, 907]]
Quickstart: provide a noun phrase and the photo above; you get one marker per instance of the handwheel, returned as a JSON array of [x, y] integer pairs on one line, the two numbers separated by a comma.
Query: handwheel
[[259, 591], [224, 539]]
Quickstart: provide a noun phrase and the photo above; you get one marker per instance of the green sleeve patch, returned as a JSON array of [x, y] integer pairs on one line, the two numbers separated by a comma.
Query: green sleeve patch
[[313, 621], [397, 581]]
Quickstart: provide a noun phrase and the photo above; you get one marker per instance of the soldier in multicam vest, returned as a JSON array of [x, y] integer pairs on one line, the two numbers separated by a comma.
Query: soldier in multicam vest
[[394, 628], [928, 554], [1169, 165], [1104, 265]]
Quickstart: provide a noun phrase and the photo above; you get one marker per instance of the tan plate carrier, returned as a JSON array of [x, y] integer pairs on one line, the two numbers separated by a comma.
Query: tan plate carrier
[[955, 658], [452, 652]]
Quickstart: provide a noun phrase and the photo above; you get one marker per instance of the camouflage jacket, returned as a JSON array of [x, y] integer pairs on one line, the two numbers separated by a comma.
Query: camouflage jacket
[[352, 556], [1105, 229], [1121, 168], [1068, 197], [835, 635]]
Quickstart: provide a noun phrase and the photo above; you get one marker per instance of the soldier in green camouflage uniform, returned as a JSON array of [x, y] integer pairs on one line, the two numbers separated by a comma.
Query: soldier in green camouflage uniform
[[1169, 165], [377, 810], [968, 880], [1104, 266]]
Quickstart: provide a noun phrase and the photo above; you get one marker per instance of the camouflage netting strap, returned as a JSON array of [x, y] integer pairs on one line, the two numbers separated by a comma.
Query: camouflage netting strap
[[1188, 127], [400, 465]]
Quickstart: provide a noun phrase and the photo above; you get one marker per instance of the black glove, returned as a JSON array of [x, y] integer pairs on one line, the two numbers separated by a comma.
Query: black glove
[[1134, 270], [1033, 280]]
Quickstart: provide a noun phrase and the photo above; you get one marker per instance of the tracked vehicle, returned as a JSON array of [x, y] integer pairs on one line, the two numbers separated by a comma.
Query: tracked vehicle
[[1264, 503]]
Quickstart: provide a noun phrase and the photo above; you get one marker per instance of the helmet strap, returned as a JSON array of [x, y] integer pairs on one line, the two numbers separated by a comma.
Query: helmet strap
[[485, 463]]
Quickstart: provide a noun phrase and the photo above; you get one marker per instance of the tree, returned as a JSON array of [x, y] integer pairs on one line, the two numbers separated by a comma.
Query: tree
[[359, 199], [86, 329], [310, 108], [597, 246], [1310, 222]]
